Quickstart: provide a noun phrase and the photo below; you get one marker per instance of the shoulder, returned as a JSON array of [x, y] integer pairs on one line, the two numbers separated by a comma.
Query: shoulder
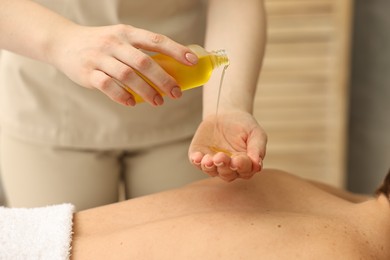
[[342, 239]]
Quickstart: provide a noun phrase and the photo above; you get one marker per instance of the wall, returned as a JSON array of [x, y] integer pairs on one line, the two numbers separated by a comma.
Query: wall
[[302, 93], [369, 132]]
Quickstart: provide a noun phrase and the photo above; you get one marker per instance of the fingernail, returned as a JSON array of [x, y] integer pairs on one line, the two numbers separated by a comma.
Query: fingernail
[[233, 168], [176, 92], [209, 166], [195, 162], [130, 102], [191, 58], [261, 164], [219, 164], [158, 100]]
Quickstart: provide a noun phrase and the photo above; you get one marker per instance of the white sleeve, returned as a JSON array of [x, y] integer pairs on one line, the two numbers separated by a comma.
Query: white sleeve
[[36, 233]]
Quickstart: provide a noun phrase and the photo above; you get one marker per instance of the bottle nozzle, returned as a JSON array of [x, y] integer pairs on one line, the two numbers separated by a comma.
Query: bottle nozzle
[[221, 58]]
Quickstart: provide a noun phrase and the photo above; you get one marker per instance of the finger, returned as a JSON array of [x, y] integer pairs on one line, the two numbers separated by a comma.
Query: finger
[[196, 159], [228, 177], [226, 174], [208, 166], [150, 72], [130, 79], [261, 164], [160, 43], [210, 170], [221, 160], [243, 166], [256, 148], [108, 86], [246, 176]]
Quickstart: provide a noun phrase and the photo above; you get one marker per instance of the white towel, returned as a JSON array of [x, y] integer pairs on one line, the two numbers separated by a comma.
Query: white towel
[[36, 233]]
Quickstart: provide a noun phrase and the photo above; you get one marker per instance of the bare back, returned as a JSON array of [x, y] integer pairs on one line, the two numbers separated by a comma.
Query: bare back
[[273, 216]]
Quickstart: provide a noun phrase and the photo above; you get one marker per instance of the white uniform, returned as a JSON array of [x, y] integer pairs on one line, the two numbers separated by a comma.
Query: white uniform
[[44, 115]]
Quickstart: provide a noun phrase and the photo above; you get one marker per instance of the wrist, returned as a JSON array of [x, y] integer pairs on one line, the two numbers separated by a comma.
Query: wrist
[[55, 42], [227, 106]]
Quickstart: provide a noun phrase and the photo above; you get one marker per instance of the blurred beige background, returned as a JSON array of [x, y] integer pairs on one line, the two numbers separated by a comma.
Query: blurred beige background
[[324, 92], [322, 123], [302, 94]]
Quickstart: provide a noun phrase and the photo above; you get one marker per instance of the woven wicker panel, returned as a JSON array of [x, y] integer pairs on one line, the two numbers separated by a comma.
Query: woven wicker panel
[[302, 93]]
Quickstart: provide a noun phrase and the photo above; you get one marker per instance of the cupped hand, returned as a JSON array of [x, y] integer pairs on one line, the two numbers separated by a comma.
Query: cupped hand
[[230, 145], [108, 58]]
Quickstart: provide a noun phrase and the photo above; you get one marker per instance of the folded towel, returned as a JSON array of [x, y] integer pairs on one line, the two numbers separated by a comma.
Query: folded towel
[[36, 233]]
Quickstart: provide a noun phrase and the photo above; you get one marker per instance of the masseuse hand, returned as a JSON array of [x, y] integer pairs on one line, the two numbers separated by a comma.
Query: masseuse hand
[[242, 139], [104, 57]]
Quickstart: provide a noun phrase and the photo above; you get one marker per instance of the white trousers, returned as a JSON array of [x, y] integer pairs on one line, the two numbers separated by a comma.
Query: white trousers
[[35, 175]]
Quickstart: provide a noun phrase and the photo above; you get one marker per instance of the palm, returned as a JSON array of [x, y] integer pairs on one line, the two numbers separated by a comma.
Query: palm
[[228, 136], [222, 133]]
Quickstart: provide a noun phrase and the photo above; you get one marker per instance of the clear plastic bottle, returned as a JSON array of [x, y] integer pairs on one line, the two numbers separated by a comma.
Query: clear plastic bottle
[[188, 77]]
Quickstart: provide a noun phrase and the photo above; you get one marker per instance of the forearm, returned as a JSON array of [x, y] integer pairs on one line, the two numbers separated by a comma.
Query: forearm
[[29, 29], [239, 28]]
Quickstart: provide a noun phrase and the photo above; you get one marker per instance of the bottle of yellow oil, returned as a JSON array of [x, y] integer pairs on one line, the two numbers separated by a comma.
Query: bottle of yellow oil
[[188, 77]]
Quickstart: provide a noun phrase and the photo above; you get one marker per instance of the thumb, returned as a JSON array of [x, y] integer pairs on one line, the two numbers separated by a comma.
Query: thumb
[[256, 148]]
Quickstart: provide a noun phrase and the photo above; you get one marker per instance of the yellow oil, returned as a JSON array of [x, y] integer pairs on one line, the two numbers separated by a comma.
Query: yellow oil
[[216, 149], [187, 77]]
